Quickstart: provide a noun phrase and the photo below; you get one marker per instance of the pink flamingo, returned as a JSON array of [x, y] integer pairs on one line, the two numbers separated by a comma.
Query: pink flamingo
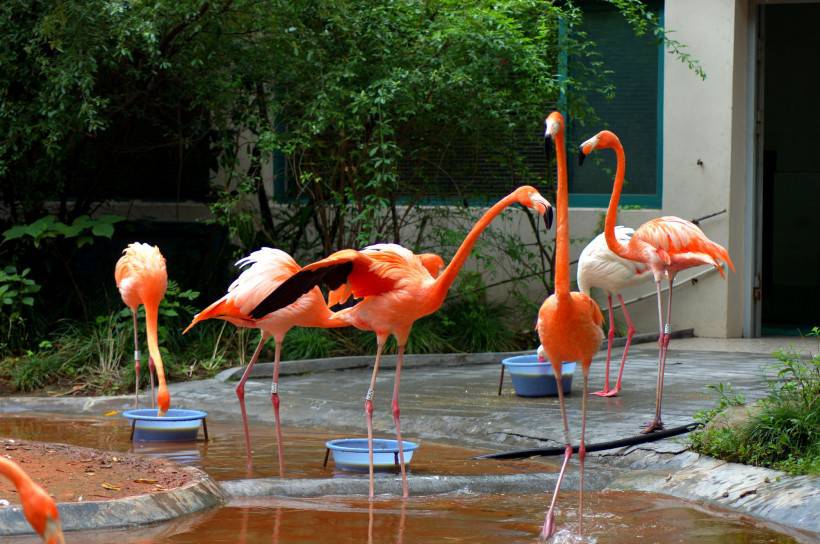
[[569, 323], [396, 290], [666, 245], [38, 506], [599, 267], [142, 278], [268, 269]]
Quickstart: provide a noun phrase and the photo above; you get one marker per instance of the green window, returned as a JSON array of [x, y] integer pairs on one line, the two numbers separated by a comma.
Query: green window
[[635, 113]]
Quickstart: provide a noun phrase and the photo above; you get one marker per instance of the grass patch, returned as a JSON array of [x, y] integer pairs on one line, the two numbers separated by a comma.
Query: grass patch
[[783, 431]]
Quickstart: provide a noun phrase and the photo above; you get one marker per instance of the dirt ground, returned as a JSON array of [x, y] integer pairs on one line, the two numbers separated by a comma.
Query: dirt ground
[[72, 473]]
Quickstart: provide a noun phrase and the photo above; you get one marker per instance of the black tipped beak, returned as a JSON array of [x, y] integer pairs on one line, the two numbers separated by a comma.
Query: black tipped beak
[[548, 218], [581, 157], [547, 146]]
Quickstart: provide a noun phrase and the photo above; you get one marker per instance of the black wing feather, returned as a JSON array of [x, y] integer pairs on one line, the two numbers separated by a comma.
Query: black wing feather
[[300, 283]]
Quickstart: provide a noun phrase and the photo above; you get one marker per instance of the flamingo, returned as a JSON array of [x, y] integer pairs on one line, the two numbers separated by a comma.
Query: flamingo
[[266, 269], [142, 279], [38, 506], [599, 267], [569, 323], [396, 290], [666, 245]]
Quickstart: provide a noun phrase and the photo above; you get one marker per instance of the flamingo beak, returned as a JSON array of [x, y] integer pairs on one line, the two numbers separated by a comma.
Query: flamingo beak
[[544, 208], [53, 533], [581, 156]]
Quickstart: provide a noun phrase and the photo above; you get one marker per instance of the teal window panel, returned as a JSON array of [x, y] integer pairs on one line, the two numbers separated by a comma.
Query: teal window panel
[[635, 114]]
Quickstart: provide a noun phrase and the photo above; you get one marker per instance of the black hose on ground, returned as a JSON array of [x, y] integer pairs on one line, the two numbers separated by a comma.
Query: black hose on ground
[[612, 444]]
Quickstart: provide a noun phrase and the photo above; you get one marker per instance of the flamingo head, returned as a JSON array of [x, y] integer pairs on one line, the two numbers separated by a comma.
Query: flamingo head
[[603, 140], [433, 263], [542, 357], [529, 197], [163, 399], [553, 124], [41, 512]]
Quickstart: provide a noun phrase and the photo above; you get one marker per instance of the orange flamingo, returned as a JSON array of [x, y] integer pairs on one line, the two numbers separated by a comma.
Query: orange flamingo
[[38, 506], [666, 244], [396, 289], [268, 269], [142, 279], [569, 323]]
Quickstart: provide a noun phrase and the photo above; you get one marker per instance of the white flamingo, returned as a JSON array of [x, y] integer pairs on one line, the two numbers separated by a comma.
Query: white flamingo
[[599, 267]]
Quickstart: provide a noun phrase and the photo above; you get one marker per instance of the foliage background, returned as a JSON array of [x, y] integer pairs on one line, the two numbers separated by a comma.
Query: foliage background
[[374, 108]]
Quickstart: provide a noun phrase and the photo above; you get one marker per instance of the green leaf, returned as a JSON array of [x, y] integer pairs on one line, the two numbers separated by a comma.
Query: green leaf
[[103, 229], [28, 301]]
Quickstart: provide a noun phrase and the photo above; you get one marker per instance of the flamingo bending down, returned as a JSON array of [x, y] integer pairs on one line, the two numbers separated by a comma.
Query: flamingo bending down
[[142, 279], [666, 245], [599, 267], [268, 269], [38, 506], [569, 323], [396, 290]]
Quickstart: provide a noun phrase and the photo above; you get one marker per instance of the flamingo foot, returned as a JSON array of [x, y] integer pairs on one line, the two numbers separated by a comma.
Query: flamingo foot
[[608, 393], [549, 527], [654, 425]]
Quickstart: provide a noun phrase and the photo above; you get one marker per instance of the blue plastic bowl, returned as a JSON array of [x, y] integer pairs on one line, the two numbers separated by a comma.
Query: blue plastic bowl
[[351, 453], [177, 425], [532, 378]]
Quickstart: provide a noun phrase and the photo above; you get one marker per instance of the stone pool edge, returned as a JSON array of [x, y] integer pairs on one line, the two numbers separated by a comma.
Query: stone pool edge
[[199, 494], [670, 468]]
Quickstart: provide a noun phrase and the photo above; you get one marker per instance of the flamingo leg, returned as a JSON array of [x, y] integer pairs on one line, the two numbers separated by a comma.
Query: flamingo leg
[[405, 491], [368, 410], [582, 452], [630, 332], [549, 521], [656, 423], [136, 362], [240, 394], [274, 397], [605, 392], [151, 371]]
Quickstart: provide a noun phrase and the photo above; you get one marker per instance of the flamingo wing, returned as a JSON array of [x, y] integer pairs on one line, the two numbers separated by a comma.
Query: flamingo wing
[[366, 274], [681, 243], [265, 269]]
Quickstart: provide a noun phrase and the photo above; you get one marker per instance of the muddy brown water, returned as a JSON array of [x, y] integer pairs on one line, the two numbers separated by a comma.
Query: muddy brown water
[[610, 516], [223, 457]]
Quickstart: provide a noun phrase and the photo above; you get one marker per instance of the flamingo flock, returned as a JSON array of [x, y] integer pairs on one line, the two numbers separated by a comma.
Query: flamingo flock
[[390, 288]]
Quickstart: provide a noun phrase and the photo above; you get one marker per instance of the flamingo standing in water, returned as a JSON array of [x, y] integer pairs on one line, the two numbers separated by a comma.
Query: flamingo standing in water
[[396, 290], [599, 267], [268, 269], [666, 245], [38, 506], [142, 279], [569, 323]]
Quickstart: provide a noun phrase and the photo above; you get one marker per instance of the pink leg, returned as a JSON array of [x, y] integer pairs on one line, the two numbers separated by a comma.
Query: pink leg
[[136, 362], [630, 332], [549, 522], [405, 491], [663, 341], [582, 452], [368, 410], [611, 336], [274, 397], [151, 371], [240, 394]]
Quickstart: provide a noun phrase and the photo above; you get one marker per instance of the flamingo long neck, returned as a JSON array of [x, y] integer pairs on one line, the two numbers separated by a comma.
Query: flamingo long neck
[[446, 279], [562, 219], [151, 315], [612, 212], [14, 473]]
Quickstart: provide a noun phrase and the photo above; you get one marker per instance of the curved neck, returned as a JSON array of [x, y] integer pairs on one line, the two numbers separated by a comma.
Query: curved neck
[[612, 211], [151, 315], [562, 219], [446, 279], [10, 470]]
